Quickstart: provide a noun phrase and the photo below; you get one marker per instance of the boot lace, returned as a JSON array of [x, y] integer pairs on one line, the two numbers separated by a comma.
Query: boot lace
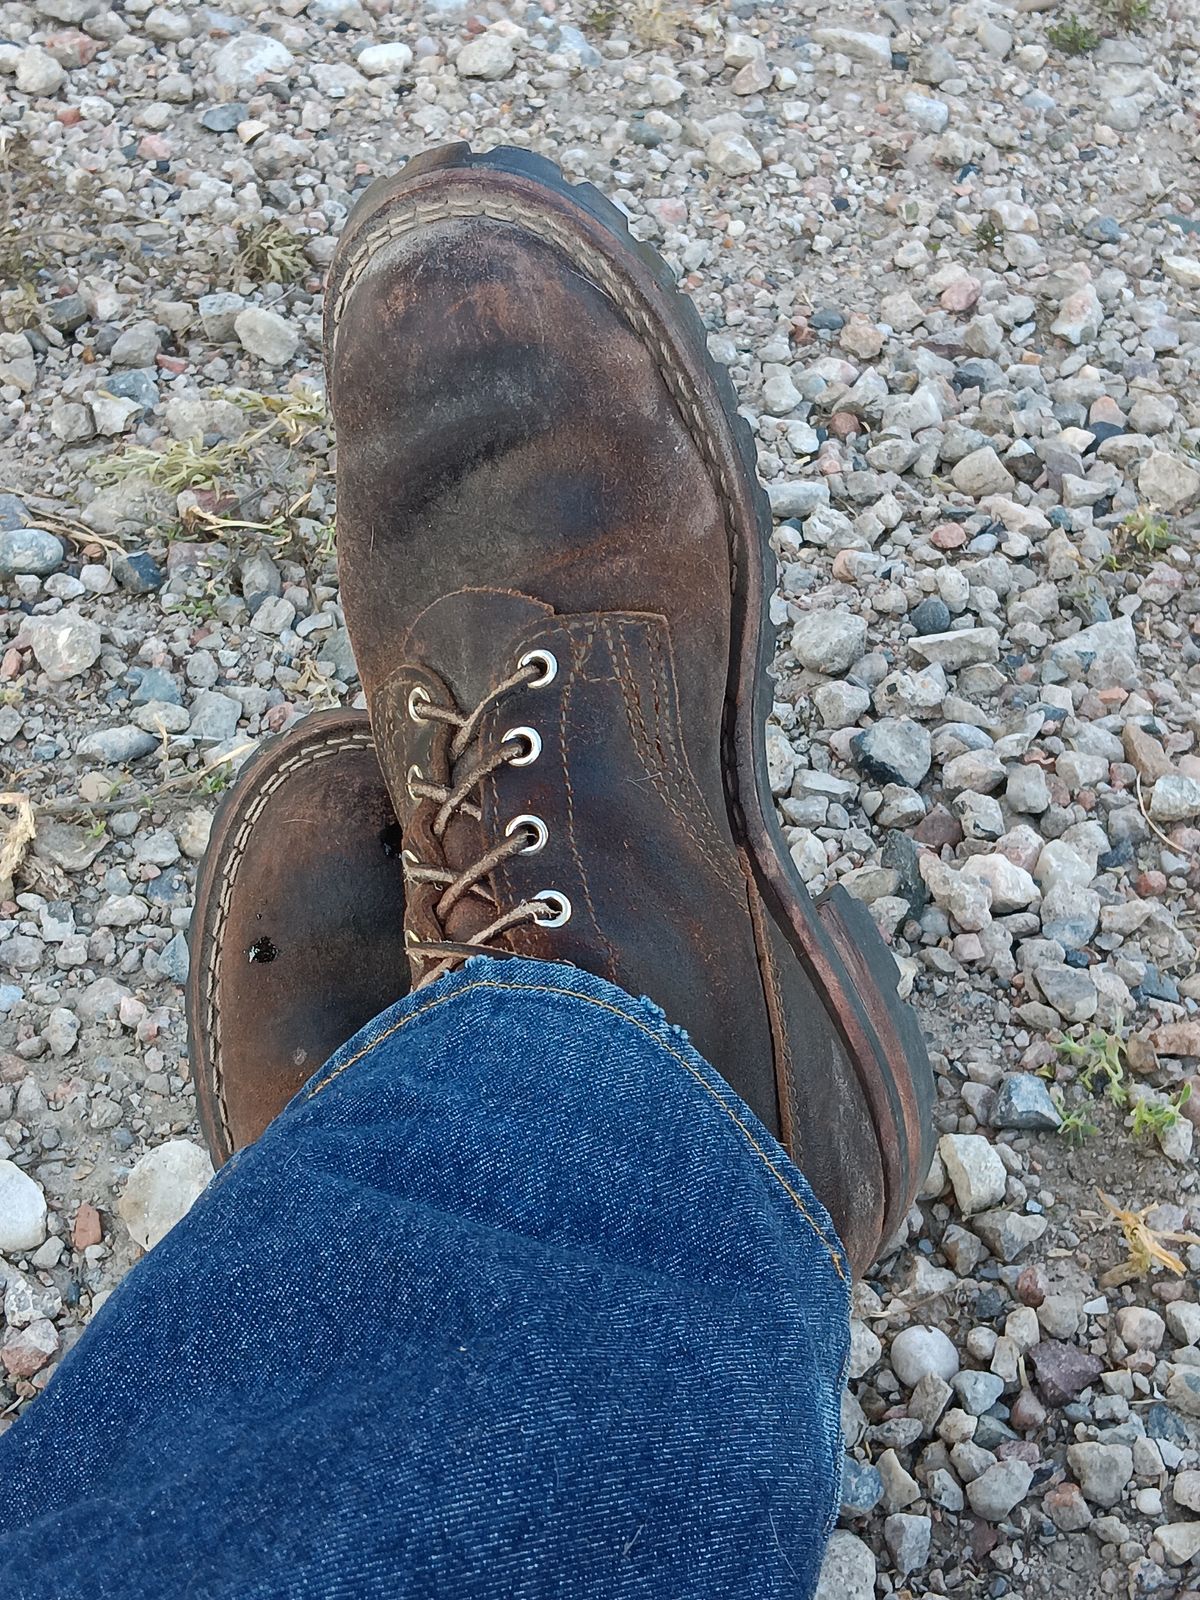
[[470, 764]]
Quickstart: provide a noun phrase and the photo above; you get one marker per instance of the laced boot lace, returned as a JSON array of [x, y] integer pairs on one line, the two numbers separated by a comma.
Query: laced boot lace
[[469, 765]]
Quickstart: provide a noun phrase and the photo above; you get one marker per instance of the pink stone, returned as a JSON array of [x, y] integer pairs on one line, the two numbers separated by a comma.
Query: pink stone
[[961, 295], [948, 536], [1106, 409], [27, 1350]]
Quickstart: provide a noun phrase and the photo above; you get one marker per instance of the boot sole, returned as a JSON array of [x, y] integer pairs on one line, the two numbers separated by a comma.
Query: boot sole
[[833, 937]]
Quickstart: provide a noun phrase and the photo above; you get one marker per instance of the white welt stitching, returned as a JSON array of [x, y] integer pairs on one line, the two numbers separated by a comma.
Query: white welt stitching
[[423, 213], [304, 756]]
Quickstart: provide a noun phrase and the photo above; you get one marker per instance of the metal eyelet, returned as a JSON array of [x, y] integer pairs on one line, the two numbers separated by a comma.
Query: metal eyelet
[[415, 694], [544, 659], [541, 833], [534, 741], [413, 772], [555, 898]]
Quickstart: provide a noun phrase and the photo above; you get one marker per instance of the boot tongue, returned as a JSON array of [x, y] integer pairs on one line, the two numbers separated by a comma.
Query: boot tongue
[[461, 647]]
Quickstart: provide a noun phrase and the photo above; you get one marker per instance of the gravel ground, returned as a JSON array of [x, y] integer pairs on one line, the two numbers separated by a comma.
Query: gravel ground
[[952, 255]]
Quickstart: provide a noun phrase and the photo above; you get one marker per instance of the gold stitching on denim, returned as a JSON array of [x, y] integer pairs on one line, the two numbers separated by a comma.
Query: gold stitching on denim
[[603, 1005]]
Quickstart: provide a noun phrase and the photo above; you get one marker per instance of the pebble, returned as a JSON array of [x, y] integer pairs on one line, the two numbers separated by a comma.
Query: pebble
[[974, 1169], [1175, 799], [999, 1489], [848, 1569], [1180, 1541], [29, 551], [829, 641], [492, 55], [267, 335], [733, 154], [908, 1538], [64, 645], [1024, 1102], [38, 73], [116, 746], [161, 1189], [919, 1351], [385, 60], [894, 750], [248, 58], [22, 1211], [1103, 1471]]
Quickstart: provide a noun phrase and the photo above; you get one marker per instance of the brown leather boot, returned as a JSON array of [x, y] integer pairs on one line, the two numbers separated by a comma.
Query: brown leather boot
[[555, 571], [297, 937]]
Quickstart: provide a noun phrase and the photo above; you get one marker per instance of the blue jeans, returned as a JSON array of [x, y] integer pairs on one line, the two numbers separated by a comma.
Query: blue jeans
[[515, 1299]]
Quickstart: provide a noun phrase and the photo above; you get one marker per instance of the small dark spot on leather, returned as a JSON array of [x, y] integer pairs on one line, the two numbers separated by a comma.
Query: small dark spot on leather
[[262, 950], [391, 839]]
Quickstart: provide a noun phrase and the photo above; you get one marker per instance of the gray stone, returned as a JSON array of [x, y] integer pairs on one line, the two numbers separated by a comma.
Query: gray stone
[[136, 347], [22, 1211], [733, 154], [1024, 1102], [870, 49], [900, 1488], [982, 472], [1180, 1541], [1175, 799], [14, 513], [491, 56], [219, 313], [960, 647], [172, 961], [38, 73], [1070, 915], [927, 113], [1101, 639], [935, 65], [862, 1488], [840, 705], [1012, 887], [1168, 482], [1183, 1319], [1008, 1234], [978, 1391], [795, 497], [894, 750], [112, 414], [29, 552], [137, 572], [907, 1536], [998, 1490], [215, 716], [847, 1569], [338, 654], [1102, 1470], [385, 60], [1070, 990], [162, 1188], [249, 57], [64, 645], [974, 1169], [1080, 316], [155, 685], [267, 335], [829, 641], [116, 746]]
